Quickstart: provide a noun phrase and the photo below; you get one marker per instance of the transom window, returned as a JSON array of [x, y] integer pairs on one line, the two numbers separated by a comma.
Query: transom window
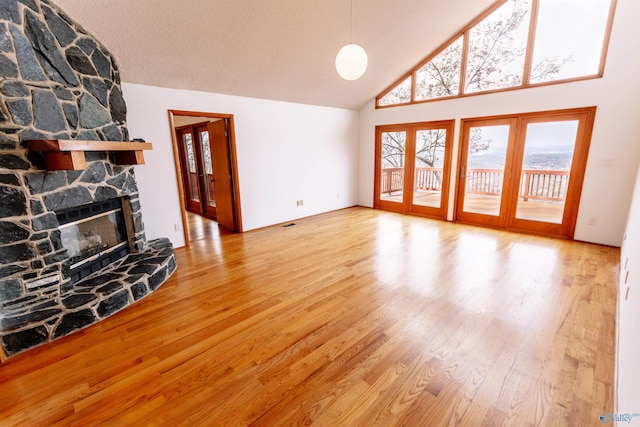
[[514, 44]]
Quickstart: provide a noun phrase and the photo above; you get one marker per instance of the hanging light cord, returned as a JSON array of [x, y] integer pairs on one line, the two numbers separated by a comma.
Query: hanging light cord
[[351, 21]]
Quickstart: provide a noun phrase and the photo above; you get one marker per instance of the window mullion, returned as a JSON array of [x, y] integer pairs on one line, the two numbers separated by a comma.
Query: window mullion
[[463, 62], [528, 59]]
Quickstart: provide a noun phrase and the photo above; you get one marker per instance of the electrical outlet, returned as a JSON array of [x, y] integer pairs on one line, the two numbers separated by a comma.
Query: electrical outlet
[[299, 202], [176, 227], [592, 221]]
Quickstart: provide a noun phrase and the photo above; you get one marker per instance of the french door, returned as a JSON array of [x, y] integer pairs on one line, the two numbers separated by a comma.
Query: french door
[[524, 172], [413, 168], [206, 171]]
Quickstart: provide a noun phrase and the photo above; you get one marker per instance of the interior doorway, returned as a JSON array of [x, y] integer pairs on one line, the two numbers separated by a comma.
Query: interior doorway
[[206, 166]]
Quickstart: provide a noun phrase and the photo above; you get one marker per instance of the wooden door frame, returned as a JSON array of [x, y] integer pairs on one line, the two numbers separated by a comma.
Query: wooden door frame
[[407, 205], [233, 161], [578, 166]]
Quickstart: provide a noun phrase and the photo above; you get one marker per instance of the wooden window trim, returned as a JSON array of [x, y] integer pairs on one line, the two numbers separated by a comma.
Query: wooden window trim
[[527, 65]]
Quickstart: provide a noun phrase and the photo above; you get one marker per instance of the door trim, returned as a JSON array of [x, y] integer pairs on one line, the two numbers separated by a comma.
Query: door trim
[[233, 161]]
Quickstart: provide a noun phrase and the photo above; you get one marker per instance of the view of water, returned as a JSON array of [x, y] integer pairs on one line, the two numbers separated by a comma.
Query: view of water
[[552, 160]]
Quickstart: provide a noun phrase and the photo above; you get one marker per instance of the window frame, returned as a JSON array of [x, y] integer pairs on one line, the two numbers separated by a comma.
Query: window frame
[[464, 33]]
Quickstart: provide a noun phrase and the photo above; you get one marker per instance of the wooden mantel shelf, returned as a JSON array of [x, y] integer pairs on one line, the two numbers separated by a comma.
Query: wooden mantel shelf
[[69, 154]]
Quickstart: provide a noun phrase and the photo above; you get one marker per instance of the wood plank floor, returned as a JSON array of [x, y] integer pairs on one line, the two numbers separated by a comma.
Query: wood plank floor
[[355, 317]]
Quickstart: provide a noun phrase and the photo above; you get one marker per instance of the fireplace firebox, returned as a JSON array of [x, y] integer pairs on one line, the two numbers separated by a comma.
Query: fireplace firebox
[[94, 236]]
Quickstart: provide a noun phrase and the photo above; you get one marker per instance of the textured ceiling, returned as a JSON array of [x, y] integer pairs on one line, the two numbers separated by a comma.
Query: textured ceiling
[[273, 49]]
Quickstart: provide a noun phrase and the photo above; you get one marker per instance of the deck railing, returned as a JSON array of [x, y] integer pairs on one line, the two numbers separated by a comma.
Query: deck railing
[[534, 184]]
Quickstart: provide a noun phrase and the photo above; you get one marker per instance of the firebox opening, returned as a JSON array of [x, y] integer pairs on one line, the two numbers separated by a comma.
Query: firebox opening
[[94, 236]]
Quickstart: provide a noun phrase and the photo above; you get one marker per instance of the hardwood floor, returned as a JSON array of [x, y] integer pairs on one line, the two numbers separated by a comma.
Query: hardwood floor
[[355, 317]]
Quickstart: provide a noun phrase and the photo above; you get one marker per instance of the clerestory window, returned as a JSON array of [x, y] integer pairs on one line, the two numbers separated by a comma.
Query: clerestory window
[[514, 44]]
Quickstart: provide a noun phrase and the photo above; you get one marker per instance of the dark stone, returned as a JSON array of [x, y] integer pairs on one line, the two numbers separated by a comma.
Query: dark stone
[[105, 193], [45, 222], [15, 253], [47, 51], [8, 142], [73, 321], [47, 304], [44, 182], [11, 161], [19, 341], [47, 111], [29, 68], [109, 288], [10, 233], [72, 176], [37, 265], [77, 300], [94, 174], [117, 181], [113, 303], [98, 280], [143, 269], [30, 134], [14, 88], [71, 197], [9, 178], [8, 68], [92, 114], [63, 93], [31, 4], [20, 111], [88, 135], [158, 279], [29, 276], [117, 105], [56, 257], [87, 45], [39, 236], [102, 64], [172, 266], [12, 202], [10, 289], [9, 11], [60, 28], [71, 113], [44, 248], [139, 290], [8, 323], [5, 39], [8, 270], [130, 185], [56, 239], [98, 88], [112, 133], [79, 61], [94, 156]]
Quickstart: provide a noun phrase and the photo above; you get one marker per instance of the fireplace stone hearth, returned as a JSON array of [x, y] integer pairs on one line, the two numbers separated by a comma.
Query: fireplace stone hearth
[[59, 82]]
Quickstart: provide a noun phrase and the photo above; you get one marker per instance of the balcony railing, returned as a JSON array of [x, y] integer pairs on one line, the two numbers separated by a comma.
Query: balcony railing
[[534, 184]]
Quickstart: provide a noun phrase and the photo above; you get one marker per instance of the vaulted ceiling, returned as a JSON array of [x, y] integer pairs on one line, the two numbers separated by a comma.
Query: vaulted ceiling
[[272, 49]]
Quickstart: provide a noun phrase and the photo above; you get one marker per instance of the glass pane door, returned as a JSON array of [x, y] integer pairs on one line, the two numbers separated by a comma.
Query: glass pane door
[[429, 167], [394, 146], [208, 168], [482, 174], [546, 165], [190, 171]]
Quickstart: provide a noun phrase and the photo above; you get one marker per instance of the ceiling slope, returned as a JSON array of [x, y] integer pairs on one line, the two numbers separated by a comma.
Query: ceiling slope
[[272, 49]]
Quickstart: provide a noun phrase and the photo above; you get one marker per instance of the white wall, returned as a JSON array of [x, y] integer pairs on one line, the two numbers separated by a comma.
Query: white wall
[[628, 347], [286, 152], [614, 150]]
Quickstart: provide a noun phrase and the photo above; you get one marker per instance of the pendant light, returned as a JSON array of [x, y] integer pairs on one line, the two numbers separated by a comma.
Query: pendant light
[[351, 60]]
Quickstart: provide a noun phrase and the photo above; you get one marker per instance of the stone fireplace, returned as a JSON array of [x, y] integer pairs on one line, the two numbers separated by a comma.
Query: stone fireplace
[[73, 249]]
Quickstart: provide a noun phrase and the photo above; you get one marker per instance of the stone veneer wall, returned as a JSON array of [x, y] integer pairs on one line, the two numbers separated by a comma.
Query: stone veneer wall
[[57, 82]]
